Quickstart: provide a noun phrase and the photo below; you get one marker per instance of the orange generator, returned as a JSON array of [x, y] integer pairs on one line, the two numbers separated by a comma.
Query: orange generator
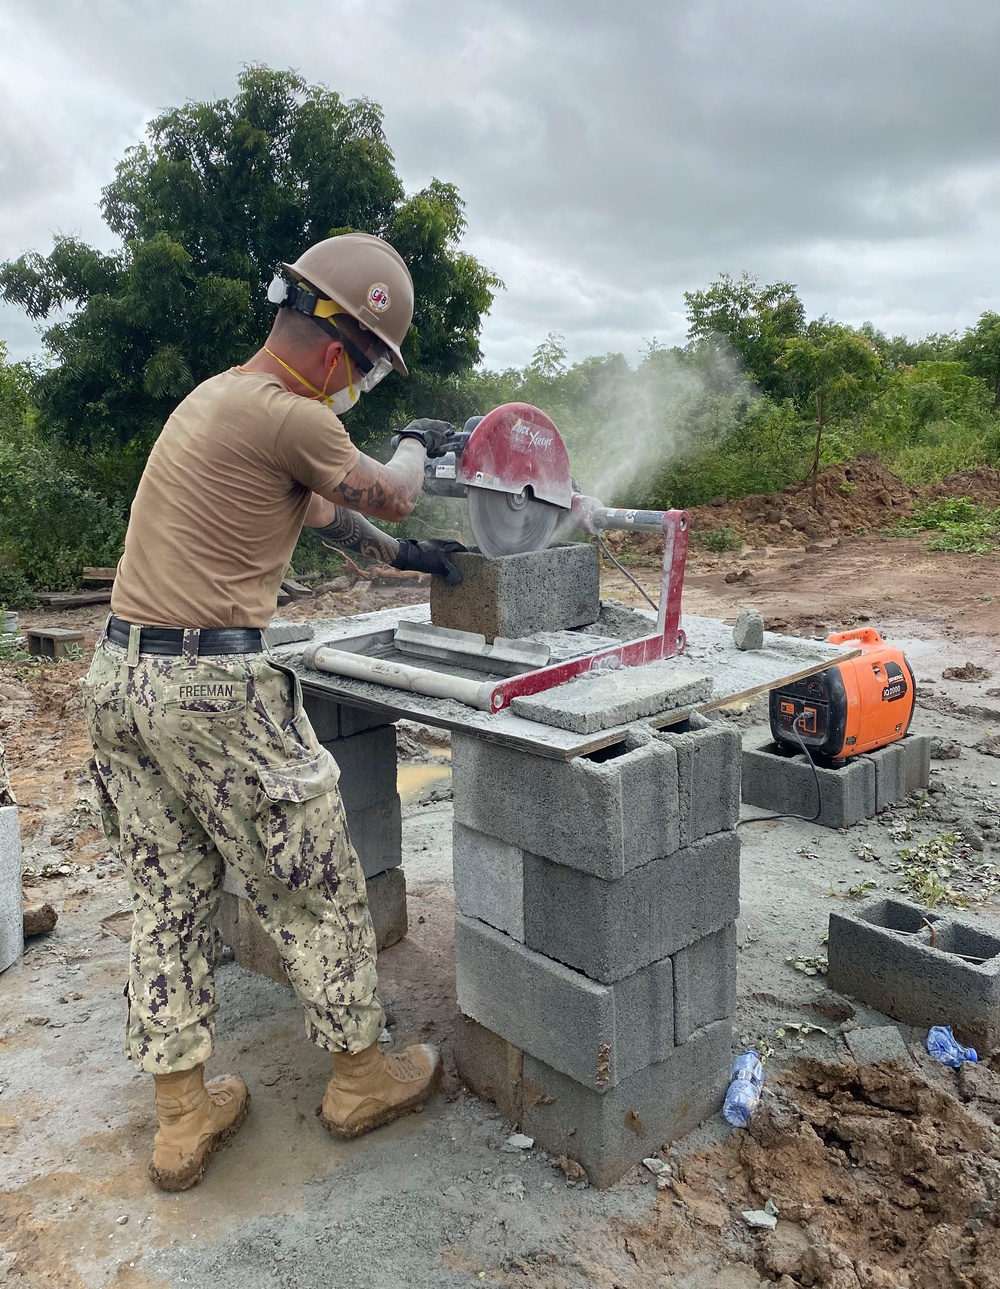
[[856, 706]]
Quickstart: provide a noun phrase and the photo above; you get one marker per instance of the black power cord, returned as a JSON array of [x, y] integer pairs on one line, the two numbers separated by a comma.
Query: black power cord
[[809, 819]]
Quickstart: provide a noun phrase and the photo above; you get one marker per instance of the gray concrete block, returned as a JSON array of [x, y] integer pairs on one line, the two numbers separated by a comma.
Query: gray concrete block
[[773, 780], [279, 633], [489, 880], [387, 904], [254, 950], [367, 764], [748, 633], [11, 906], [873, 1046], [377, 836], [709, 766], [549, 590], [597, 1034], [704, 983], [612, 1133], [605, 813], [900, 768], [598, 700], [331, 719], [880, 953], [916, 750], [490, 1066], [608, 930]]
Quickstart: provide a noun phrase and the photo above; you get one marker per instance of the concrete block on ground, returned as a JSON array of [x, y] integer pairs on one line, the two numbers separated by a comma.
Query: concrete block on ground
[[489, 880], [599, 700], [608, 930], [597, 1034], [367, 764], [490, 1066], [54, 642], [11, 906], [612, 1133], [709, 766], [872, 1046], [254, 950], [331, 719], [377, 836], [704, 983], [881, 954], [773, 780], [605, 813], [550, 590], [900, 768]]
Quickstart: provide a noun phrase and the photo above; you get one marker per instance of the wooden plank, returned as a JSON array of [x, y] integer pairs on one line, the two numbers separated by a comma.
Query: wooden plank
[[737, 675], [73, 599], [92, 574]]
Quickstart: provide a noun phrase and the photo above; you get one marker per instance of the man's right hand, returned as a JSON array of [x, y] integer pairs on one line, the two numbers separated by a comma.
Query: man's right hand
[[432, 434]]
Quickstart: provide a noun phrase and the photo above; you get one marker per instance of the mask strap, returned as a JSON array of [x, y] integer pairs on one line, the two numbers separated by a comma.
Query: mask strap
[[318, 393]]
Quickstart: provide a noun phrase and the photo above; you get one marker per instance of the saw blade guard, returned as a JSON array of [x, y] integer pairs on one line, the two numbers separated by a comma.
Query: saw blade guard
[[517, 449]]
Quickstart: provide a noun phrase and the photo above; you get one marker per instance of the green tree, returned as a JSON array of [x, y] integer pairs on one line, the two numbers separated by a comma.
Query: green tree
[[833, 366], [206, 208], [754, 320], [979, 349]]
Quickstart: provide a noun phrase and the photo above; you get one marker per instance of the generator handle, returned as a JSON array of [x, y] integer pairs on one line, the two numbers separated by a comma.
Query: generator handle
[[863, 635]]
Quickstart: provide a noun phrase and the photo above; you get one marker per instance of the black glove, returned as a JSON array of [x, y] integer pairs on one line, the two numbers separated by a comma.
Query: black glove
[[432, 434], [430, 557]]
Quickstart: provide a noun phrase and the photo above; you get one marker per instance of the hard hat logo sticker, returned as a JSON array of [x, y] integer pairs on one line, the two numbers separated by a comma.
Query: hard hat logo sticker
[[378, 297]]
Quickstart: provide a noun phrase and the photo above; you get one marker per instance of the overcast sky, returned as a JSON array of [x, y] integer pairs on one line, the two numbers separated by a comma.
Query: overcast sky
[[612, 155]]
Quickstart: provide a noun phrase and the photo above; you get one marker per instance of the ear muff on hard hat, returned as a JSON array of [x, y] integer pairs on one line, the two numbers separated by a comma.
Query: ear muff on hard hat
[[363, 277]]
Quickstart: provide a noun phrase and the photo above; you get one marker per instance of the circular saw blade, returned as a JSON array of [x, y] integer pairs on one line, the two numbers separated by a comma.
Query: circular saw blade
[[510, 523]]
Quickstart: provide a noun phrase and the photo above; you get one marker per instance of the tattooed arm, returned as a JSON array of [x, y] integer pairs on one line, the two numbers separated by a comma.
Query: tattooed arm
[[387, 491], [354, 533]]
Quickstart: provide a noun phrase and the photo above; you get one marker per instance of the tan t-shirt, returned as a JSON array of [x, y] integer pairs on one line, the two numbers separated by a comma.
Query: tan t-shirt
[[221, 502]]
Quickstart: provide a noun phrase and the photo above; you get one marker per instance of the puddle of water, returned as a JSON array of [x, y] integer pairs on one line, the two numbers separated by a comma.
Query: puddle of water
[[411, 780]]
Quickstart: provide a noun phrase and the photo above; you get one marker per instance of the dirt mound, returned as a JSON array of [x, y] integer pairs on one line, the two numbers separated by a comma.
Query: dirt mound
[[981, 486]]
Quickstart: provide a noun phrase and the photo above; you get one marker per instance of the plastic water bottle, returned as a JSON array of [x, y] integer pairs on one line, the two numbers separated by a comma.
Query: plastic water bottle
[[744, 1091], [942, 1046]]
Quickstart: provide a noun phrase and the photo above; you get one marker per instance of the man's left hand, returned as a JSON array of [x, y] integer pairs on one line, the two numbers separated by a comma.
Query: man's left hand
[[431, 556]]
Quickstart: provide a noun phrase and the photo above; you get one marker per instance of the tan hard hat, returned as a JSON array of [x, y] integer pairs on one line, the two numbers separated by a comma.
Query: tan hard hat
[[368, 279]]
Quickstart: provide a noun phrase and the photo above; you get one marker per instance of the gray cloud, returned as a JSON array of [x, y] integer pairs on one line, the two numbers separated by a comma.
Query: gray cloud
[[612, 157]]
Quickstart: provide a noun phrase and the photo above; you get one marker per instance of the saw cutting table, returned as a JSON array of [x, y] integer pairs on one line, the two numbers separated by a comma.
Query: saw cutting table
[[737, 676]]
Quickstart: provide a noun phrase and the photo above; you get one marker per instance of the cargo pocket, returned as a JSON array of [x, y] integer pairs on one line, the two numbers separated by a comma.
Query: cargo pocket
[[301, 821]]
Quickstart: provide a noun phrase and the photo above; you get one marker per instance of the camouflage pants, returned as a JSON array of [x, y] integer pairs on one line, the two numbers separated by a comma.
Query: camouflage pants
[[202, 762]]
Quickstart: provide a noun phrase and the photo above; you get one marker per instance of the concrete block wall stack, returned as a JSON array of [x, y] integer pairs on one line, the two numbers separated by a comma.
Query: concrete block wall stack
[[364, 747], [595, 937], [11, 924]]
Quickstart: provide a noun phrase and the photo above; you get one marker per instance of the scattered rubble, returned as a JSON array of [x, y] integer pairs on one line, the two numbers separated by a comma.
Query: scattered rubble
[[748, 633], [968, 671], [38, 919]]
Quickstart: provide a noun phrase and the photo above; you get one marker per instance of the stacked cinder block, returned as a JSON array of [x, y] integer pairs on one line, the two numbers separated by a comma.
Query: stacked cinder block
[[364, 747], [595, 938], [778, 779], [11, 923]]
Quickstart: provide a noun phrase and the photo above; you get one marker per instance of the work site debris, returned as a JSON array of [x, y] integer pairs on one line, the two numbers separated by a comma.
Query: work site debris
[[747, 1077], [942, 1046], [574, 1172], [968, 671], [765, 1219], [517, 1141], [749, 630], [39, 918]]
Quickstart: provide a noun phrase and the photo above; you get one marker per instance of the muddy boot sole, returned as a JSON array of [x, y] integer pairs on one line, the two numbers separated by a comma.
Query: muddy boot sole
[[415, 1104], [191, 1176]]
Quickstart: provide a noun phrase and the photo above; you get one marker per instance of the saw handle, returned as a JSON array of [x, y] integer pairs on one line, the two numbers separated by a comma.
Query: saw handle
[[594, 517]]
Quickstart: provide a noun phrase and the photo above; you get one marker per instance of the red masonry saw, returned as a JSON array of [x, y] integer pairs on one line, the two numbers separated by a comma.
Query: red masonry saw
[[513, 468]]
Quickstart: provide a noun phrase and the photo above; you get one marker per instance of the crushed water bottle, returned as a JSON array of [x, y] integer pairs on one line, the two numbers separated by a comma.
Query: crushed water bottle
[[744, 1090], [942, 1046]]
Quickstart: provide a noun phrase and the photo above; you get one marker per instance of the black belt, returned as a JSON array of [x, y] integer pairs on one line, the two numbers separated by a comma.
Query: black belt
[[170, 640]]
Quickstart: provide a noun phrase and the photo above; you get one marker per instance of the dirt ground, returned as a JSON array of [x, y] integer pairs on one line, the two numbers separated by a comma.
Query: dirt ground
[[881, 1177]]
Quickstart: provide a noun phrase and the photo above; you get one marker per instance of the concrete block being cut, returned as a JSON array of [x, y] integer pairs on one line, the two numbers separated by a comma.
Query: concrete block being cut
[[367, 764], [709, 765], [599, 700], [608, 930], [551, 590], [11, 907], [612, 1133], [597, 1034], [604, 814], [489, 880], [947, 973], [704, 983], [773, 780]]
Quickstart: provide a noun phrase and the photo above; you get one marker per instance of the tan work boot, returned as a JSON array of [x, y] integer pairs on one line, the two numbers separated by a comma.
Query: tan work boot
[[373, 1087], [195, 1118]]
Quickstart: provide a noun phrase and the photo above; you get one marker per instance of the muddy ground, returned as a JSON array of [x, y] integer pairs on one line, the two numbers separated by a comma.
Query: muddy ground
[[881, 1178]]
